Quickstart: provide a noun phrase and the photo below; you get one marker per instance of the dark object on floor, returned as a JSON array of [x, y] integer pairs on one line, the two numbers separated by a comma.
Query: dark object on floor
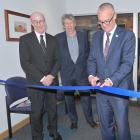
[[73, 126], [58, 137], [93, 124]]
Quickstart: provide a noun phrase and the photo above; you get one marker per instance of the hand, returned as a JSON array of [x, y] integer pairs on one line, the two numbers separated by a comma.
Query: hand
[[48, 80], [107, 82], [93, 80]]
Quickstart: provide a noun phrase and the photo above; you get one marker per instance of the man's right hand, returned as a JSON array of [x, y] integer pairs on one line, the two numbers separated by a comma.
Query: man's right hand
[[47, 80], [93, 80]]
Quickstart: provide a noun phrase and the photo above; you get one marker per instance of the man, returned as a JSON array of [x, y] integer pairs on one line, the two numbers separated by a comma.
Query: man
[[40, 62], [73, 53], [110, 63]]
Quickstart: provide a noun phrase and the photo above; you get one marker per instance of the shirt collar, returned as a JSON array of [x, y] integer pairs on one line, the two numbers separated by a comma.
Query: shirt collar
[[111, 33], [38, 36], [113, 30]]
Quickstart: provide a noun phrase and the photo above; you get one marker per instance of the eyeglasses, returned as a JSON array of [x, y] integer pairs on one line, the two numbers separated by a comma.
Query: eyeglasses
[[36, 22], [106, 22]]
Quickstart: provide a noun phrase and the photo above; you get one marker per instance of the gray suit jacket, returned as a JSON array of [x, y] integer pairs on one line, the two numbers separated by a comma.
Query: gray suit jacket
[[119, 64], [33, 61]]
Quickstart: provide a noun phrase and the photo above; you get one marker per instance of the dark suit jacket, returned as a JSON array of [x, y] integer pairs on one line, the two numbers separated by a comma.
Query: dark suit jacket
[[119, 64], [33, 61], [69, 71]]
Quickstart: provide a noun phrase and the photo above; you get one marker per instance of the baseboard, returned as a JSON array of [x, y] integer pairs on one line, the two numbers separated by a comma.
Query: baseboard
[[15, 128]]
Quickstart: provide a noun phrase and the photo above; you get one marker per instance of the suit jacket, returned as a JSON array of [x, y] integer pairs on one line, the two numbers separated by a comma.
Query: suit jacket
[[69, 71], [34, 62], [119, 64]]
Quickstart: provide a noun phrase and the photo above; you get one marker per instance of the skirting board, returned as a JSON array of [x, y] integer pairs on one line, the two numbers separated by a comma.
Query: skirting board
[[15, 128]]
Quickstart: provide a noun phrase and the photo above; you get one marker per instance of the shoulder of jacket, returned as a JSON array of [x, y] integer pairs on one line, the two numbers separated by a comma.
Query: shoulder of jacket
[[27, 35], [60, 34]]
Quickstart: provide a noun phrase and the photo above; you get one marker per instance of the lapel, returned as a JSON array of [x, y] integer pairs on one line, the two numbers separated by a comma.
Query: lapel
[[36, 45], [47, 42], [101, 44], [65, 46], [80, 43], [114, 42], [35, 42], [34, 39]]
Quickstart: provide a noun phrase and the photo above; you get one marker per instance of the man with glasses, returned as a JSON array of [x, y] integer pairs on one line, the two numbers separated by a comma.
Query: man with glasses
[[40, 62], [110, 63]]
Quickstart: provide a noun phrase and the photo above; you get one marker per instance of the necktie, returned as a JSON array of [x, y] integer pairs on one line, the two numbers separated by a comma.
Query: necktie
[[107, 44], [42, 43]]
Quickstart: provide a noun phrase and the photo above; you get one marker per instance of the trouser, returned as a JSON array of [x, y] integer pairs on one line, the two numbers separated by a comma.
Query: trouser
[[86, 106], [109, 108], [40, 104]]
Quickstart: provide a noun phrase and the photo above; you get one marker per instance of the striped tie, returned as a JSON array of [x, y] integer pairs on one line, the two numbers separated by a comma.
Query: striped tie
[[107, 44], [42, 43]]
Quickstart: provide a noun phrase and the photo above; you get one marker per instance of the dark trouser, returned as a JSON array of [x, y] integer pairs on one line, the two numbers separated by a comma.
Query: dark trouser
[[86, 105], [110, 108], [40, 103]]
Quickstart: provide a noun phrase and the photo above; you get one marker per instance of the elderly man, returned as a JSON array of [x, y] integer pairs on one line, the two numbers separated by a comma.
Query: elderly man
[[40, 62], [110, 63]]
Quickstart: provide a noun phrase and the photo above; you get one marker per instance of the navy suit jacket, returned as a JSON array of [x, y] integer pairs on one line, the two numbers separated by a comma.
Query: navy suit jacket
[[119, 64], [69, 71]]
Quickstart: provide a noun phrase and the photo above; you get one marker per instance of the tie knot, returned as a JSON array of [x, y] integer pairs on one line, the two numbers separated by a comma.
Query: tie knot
[[41, 36], [108, 34]]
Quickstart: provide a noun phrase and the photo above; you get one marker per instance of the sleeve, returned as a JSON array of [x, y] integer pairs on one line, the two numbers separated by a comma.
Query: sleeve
[[91, 61], [56, 66]]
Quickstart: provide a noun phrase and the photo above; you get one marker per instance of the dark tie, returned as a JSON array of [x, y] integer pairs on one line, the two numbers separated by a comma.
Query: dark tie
[[42, 43], [107, 44]]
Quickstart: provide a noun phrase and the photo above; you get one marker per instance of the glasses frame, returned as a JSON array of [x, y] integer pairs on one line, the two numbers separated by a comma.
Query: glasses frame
[[36, 22], [106, 22]]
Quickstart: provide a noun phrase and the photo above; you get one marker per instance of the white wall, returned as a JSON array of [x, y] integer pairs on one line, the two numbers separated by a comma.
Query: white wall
[[89, 7], [9, 56]]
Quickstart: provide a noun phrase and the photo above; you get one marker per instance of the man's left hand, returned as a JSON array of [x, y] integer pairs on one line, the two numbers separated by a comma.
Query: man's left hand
[[107, 82], [48, 80]]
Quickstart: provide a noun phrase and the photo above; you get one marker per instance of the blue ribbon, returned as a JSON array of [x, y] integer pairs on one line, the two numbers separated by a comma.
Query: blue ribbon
[[110, 90]]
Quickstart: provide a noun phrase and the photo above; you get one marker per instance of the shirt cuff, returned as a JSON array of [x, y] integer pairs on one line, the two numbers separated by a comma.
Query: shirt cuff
[[42, 79], [109, 81], [90, 76]]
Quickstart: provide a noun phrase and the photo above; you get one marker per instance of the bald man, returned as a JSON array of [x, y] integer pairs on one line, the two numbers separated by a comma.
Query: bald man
[[39, 60], [110, 63]]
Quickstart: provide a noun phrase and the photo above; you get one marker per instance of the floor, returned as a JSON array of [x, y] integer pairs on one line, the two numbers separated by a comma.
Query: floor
[[84, 131]]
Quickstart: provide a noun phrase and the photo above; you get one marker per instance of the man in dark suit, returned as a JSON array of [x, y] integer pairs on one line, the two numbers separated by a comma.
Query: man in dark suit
[[73, 57], [40, 62], [110, 63]]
